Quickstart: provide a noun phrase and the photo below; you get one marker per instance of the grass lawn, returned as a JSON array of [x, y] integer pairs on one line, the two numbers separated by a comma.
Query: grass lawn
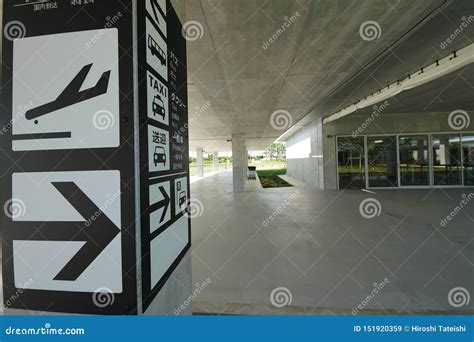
[[269, 178]]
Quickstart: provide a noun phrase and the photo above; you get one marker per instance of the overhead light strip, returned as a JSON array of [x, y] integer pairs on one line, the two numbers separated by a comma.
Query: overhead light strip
[[445, 66]]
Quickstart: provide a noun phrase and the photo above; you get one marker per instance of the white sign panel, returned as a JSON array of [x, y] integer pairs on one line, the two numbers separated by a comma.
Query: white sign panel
[[157, 97], [158, 149], [74, 200], [166, 247], [157, 51], [69, 87], [160, 201], [153, 8], [181, 191]]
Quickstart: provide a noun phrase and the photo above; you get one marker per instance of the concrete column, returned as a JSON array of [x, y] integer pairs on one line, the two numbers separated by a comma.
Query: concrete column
[[238, 165], [246, 163], [215, 162], [200, 162]]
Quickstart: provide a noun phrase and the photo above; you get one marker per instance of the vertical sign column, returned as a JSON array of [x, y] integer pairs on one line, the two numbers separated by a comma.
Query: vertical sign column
[[164, 144], [66, 157]]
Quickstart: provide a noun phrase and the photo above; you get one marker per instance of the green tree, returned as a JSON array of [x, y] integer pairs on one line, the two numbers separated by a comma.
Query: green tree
[[276, 152]]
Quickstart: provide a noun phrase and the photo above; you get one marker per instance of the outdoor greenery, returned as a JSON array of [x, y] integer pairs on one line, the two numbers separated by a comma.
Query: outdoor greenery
[[275, 152], [269, 178]]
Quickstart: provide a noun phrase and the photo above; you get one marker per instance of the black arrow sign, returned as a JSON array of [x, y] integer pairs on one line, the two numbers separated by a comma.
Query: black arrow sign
[[97, 235], [165, 202], [100, 231], [154, 7]]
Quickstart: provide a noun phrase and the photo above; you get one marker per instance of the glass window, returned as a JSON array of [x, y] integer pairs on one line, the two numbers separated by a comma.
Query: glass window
[[382, 161], [351, 162], [446, 159], [468, 153], [414, 160]]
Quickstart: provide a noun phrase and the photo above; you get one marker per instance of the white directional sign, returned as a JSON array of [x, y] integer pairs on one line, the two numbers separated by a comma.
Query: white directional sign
[[160, 203], [70, 87], [157, 94], [157, 51], [154, 9], [181, 191], [166, 247], [158, 149], [79, 245]]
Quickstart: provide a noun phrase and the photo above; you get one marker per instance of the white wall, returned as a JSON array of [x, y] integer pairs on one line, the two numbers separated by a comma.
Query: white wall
[[304, 155]]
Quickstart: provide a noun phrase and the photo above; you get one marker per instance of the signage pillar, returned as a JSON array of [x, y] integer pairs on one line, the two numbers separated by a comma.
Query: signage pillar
[[93, 157]]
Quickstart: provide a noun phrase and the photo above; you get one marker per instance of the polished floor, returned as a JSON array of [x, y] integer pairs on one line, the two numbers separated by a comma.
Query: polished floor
[[304, 251]]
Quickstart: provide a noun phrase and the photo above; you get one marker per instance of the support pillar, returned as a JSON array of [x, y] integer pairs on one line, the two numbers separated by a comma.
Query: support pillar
[[215, 162], [238, 162], [246, 163], [200, 162]]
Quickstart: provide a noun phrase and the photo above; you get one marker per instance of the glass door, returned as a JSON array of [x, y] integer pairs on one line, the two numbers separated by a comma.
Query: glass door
[[468, 162], [351, 162], [382, 161], [414, 166], [447, 165]]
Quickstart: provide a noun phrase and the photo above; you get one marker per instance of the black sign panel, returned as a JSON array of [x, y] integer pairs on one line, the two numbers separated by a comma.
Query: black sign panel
[[165, 189], [67, 157]]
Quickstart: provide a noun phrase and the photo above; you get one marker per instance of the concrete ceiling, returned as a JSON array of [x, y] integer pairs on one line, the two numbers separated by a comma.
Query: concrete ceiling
[[421, 47], [454, 91], [235, 84]]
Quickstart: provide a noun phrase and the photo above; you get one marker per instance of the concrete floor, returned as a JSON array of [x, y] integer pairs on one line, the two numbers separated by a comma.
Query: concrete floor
[[325, 253]]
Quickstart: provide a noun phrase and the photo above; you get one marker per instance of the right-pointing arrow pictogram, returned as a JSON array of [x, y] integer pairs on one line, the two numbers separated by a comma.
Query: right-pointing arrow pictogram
[[100, 232], [164, 203]]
